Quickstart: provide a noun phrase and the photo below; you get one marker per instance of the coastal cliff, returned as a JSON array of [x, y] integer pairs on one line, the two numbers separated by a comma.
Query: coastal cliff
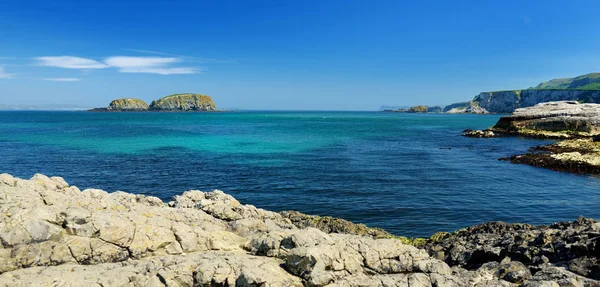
[[184, 102], [508, 101], [53, 234], [585, 89]]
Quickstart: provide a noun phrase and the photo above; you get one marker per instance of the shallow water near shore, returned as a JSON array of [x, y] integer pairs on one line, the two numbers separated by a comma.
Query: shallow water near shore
[[410, 174]]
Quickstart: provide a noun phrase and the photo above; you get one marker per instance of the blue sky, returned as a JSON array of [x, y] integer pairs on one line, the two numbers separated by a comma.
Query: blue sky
[[326, 55]]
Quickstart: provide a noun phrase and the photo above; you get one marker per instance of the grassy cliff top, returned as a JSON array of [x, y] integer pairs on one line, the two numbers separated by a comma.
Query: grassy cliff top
[[585, 82]]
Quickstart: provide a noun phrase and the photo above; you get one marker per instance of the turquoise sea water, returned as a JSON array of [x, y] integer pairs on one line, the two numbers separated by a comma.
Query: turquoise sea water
[[407, 173]]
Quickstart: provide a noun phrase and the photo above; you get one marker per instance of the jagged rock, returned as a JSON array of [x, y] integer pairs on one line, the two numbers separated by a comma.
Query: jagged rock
[[575, 244], [184, 102]]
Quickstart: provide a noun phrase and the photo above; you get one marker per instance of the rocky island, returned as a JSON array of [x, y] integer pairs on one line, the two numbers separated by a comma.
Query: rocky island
[[54, 234], [416, 109], [184, 102], [124, 105], [173, 103]]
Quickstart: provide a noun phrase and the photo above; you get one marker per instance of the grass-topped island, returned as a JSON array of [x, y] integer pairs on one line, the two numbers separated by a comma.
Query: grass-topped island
[[187, 102]]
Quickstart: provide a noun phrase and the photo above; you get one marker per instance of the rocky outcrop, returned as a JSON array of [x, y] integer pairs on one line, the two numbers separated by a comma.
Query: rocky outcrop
[[417, 109], [456, 107], [184, 102], [469, 108], [566, 119], [578, 125], [53, 234], [479, 133], [520, 252], [577, 156], [434, 109]]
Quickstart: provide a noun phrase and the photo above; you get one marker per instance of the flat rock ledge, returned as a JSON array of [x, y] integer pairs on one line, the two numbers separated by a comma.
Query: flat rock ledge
[[53, 234], [560, 120], [576, 125]]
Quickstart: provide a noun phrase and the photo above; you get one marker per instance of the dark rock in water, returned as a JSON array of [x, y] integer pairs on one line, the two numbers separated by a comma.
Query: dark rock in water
[[479, 133]]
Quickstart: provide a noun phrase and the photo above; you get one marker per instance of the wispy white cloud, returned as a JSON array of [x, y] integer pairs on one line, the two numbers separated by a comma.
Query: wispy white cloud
[[181, 56], [125, 64], [62, 79], [4, 75], [132, 62], [526, 19], [70, 62], [151, 65], [161, 71]]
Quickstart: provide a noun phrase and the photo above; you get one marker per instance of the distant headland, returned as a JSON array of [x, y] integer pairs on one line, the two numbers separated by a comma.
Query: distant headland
[[173, 103], [584, 89]]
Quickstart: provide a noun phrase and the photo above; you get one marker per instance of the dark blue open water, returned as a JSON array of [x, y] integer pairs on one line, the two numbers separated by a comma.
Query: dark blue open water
[[393, 171]]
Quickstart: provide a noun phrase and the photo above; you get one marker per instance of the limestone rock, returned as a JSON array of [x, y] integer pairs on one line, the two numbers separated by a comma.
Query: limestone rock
[[52, 234], [564, 119]]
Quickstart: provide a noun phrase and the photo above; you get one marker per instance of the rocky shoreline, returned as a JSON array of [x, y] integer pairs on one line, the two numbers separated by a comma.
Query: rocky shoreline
[[577, 125], [53, 234]]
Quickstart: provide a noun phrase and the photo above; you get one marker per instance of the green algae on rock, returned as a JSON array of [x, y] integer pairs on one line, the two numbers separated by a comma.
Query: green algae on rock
[[184, 102], [575, 155]]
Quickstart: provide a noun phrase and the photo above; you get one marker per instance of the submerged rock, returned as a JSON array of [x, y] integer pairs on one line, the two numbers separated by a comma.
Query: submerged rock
[[184, 102]]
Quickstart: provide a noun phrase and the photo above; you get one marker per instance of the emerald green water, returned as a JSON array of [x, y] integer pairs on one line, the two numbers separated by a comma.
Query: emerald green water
[[410, 174]]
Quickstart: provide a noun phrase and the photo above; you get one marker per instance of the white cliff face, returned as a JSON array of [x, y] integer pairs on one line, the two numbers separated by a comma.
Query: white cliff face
[[508, 101]]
